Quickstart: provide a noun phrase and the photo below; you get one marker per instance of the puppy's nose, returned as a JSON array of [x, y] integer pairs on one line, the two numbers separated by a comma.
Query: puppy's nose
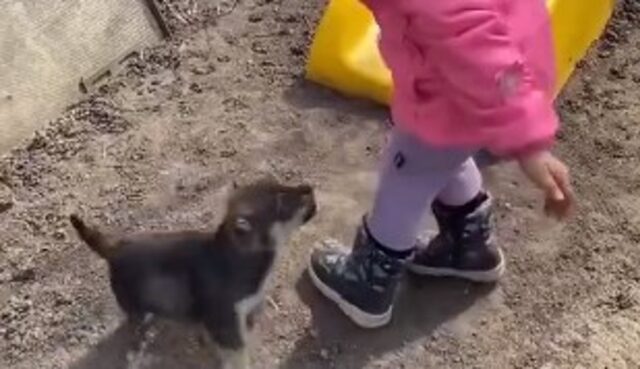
[[307, 192], [309, 201], [306, 189], [307, 196]]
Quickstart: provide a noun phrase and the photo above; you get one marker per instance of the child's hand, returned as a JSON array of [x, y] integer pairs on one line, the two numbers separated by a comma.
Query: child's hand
[[551, 176]]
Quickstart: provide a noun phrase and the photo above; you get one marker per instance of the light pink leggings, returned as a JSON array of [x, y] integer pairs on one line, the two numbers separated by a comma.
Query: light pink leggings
[[412, 175]]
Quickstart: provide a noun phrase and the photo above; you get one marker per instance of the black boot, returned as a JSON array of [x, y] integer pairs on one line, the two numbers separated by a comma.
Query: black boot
[[464, 248], [362, 283]]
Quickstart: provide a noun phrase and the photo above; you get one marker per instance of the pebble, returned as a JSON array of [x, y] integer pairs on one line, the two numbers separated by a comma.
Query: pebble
[[24, 275], [195, 88], [204, 70], [255, 18], [228, 153], [296, 50], [258, 48], [6, 198]]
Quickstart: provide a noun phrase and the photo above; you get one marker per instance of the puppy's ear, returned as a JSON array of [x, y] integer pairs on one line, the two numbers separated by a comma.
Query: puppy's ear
[[286, 204]]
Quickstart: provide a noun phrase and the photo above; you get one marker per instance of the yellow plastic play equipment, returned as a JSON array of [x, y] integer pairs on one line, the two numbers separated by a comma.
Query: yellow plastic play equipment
[[344, 54]]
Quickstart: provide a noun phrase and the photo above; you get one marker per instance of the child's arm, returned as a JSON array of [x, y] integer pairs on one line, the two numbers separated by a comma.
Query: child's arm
[[470, 45]]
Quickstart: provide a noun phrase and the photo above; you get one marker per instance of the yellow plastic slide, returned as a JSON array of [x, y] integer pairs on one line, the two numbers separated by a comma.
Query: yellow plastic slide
[[344, 54]]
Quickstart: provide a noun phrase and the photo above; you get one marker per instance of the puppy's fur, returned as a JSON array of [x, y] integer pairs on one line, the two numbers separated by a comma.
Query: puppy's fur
[[216, 278]]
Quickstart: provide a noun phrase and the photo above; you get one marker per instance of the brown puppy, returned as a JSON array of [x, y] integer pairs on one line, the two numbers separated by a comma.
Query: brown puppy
[[216, 278]]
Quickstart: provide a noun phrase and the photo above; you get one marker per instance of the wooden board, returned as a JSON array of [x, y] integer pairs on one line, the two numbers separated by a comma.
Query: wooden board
[[47, 46]]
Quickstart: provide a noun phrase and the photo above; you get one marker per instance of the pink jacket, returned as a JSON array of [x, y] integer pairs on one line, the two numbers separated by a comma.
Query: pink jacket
[[471, 73]]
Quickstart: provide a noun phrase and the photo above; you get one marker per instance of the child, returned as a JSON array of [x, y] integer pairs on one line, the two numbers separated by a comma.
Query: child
[[468, 75]]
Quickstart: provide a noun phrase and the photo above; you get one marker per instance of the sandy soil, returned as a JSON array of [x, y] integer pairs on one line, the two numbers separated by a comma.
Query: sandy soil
[[224, 100]]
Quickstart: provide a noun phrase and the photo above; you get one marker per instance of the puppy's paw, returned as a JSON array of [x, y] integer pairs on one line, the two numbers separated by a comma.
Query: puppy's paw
[[235, 359]]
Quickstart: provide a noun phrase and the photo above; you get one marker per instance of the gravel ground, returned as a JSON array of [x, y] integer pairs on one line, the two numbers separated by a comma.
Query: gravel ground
[[224, 100]]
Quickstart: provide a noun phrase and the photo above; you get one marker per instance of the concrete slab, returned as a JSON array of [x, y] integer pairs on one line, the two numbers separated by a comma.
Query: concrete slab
[[46, 46]]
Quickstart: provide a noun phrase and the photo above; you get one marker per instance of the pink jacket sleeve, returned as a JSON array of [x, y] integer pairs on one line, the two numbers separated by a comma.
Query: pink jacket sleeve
[[485, 74]]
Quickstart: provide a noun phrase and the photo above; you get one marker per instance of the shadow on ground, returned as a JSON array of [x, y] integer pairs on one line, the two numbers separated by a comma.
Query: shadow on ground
[[333, 341], [305, 95], [111, 352], [423, 306], [170, 346]]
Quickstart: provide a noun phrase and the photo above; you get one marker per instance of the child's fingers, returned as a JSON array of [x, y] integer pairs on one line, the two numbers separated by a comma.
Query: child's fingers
[[552, 188], [556, 182], [558, 209], [562, 179]]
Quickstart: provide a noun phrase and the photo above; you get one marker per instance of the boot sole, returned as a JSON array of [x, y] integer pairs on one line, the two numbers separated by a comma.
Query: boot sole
[[480, 276], [357, 315]]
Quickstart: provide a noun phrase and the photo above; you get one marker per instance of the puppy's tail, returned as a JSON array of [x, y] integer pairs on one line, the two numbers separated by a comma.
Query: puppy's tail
[[96, 240]]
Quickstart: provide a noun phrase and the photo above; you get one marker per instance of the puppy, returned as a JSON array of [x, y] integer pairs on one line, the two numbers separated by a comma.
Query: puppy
[[214, 278]]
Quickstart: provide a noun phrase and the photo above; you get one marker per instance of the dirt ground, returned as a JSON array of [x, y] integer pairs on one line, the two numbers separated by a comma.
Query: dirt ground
[[224, 100]]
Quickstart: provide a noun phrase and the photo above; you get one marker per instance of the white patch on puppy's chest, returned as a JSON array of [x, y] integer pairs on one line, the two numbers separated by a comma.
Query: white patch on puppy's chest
[[279, 233], [245, 307]]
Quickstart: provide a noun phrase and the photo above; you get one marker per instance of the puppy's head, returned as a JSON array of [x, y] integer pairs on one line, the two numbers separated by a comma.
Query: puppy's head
[[264, 214]]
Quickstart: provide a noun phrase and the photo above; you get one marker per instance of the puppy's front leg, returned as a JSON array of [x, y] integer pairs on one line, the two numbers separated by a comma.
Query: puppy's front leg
[[226, 329], [235, 359], [252, 315]]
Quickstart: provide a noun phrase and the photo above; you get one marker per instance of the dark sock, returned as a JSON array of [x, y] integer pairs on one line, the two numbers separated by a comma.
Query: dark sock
[[469, 207], [396, 254], [405, 254]]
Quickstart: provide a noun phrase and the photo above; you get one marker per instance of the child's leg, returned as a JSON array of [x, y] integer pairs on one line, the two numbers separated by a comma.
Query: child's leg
[[363, 282], [412, 175], [464, 247], [464, 185]]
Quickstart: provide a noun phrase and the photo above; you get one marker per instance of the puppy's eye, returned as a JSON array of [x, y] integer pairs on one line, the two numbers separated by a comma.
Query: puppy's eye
[[242, 225]]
